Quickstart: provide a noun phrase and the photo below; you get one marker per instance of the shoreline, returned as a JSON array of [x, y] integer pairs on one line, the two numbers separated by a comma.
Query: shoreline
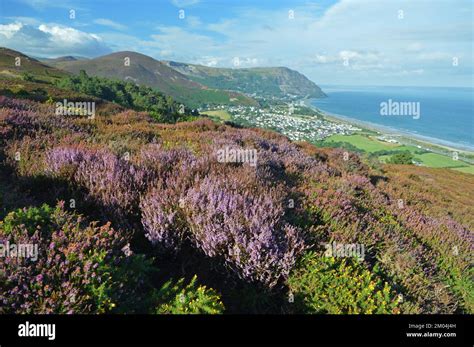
[[385, 130]]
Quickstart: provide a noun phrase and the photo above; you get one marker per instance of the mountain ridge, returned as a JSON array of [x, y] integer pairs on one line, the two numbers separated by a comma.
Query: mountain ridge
[[270, 82], [143, 69], [277, 81]]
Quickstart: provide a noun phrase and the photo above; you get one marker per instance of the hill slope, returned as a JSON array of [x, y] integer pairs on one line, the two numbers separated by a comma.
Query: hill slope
[[400, 237], [57, 61], [39, 70], [148, 71], [267, 81]]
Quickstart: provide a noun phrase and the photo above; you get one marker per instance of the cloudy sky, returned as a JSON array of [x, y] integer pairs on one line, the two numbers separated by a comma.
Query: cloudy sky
[[349, 42]]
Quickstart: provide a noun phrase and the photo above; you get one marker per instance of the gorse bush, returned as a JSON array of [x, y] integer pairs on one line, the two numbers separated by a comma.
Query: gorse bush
[[30, 219], [339, 286], [177, 298]]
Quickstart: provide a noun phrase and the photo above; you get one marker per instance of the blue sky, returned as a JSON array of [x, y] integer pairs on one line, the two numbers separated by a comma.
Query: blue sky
[[349, 42]]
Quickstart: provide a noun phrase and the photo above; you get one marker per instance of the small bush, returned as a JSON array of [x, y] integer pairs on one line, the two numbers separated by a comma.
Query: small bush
[[178, 298], [27, 76], [401, 158], [30, 218]]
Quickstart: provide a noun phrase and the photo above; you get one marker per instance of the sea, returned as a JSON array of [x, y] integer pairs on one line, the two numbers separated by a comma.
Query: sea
[[441, 115]]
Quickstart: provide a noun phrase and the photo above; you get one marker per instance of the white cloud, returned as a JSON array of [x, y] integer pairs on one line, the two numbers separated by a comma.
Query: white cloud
[[322, 59], [110, 23], [209, 61], [24, 20], [8, 30], [180, 44], [245, 62], [50, 40], [414, 47], [224, 26]]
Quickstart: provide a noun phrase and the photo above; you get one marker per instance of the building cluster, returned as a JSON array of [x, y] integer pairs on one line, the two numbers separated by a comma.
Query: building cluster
[[287, 121]]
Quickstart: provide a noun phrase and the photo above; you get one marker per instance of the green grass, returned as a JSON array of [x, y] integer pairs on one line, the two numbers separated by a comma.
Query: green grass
[[369, 144], [364, 143], [221, 114], [466, 169], [438, 160]]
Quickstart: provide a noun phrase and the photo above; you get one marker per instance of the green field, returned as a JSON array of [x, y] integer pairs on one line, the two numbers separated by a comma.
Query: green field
[[438, 160], [221, 114], [364, 143], [371, 145], [466, 169]]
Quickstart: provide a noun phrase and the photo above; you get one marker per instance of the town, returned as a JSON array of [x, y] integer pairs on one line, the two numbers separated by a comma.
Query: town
[[295, 120]]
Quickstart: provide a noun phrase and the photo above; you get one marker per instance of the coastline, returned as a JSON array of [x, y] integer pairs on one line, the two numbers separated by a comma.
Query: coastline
[[389, 131]]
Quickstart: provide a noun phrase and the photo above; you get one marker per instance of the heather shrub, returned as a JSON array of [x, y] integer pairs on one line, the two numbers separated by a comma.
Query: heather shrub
[[161, 207], [180, 298], [79, 267], [112, 181], [239, 220], [165, 163], [25, 155], [243, 227], [330, 285], [29, 118], [161, 219]]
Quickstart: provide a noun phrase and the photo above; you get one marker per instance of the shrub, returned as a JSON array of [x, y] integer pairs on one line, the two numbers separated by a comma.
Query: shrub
[[30, 218], [112, 181], [329, 285], [244, 227], [79, 267], [238, 219], [178, 298], [401, 158], [27, 76]]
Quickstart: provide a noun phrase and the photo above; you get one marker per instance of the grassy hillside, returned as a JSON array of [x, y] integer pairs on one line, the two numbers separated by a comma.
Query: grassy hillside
[[29, 68], [108, 95], [269, 82]]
